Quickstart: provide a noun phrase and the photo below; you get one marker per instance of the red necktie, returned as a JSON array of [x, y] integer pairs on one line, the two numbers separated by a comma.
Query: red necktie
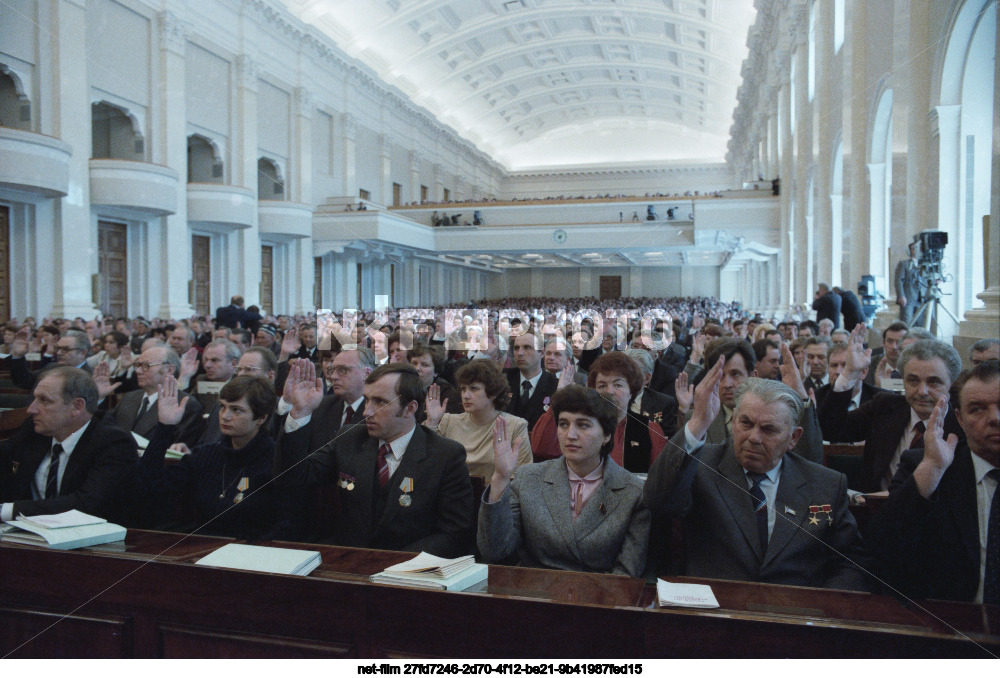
[[918, 437], [348, 415], [383, 465]]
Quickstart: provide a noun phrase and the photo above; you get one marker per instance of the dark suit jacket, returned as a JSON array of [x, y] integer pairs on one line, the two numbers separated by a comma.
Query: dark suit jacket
[[324, 425], [709, 490], [664, 375], [547, 385], [851, 309], [187, 432], [438, 518], [229, 316], [929, 548], [828, 306], [867, 393], [96, 478], [880, 423], [653, 403], [24, 378]]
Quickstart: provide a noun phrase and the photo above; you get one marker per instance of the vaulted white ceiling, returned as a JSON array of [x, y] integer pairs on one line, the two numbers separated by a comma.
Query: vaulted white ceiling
[[552, 83]]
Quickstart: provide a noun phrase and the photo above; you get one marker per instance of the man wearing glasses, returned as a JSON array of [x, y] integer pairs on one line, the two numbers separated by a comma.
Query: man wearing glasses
[[137, 411], [71, 351], [256, 362]]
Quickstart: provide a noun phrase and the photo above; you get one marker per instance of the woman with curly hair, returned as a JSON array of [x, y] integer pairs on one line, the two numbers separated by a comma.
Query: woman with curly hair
[[484, 392]]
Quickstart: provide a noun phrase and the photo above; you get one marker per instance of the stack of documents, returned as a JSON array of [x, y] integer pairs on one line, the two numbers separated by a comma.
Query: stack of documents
[[263, 559], [430, 572], [685, 595], [70, 530]]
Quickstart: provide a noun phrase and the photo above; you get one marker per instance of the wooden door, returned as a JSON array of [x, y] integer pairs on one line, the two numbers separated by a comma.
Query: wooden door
[[267, 278], [201, 272], [112, 268], [4, 263], [318, 282], [397, 195], [611, 287]]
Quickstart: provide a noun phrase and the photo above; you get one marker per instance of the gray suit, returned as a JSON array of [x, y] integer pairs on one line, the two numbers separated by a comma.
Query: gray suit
[[533, 517], [908, 284], [709, 490], [187, 432]]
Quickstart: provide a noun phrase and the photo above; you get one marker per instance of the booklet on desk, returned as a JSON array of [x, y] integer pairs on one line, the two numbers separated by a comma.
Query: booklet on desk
[[71, 530], [263, 559], [431, 572], [685, 595]]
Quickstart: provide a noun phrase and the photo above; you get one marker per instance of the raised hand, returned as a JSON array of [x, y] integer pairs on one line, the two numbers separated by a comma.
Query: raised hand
[[169, 410], [684, 392], [433, 406], [290, 344], [939, 452], [303, 390], [568, 376], [19, 346], [189, 365], [858, 357], [883, 372], [790, 374], [698, 348], [504, 458], [125, 358], [706, 400], [102, 377]]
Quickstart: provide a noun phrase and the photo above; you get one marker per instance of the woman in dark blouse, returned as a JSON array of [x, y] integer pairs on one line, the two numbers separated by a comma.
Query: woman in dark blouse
[[218, 489]]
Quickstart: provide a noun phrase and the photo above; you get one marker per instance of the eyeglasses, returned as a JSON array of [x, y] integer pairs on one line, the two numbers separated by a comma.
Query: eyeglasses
[[343, 370], [66, 349], [248, 368], [145, 366]]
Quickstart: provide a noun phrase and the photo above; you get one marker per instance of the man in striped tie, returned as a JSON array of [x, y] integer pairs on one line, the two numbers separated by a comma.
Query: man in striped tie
[[754, 510]]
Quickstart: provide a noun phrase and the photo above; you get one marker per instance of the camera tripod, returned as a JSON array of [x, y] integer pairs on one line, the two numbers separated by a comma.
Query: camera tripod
[[929, 309]]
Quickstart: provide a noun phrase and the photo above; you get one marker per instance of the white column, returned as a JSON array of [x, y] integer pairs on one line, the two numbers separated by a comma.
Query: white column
[[74, 247], [786, 167], [349, 129], [301, 148], [836, 244], [172, 253], [385, 169], [245, 279], [586, 282], [414, 177], [437, 190], [982, 322]]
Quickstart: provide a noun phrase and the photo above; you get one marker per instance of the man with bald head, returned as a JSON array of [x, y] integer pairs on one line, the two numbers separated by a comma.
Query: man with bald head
[[137, 411]]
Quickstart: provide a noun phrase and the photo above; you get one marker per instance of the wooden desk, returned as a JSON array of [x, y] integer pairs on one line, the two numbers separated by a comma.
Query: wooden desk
[[123, 603]]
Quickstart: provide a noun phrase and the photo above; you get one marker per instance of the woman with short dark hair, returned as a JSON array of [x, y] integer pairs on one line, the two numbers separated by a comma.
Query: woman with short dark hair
[[581, 511], [218, 487]]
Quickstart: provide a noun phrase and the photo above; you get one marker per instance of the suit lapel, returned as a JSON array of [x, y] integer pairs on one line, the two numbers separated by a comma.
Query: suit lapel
[[409, 467], [556, 495], [963, 502], [731, 484], [149, 419], [79, 461], [33, 455], [717, 431], [606, 497], [790, 495]]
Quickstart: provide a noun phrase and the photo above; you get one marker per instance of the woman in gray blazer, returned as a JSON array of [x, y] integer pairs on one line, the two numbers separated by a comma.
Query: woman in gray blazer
[[578, 512]]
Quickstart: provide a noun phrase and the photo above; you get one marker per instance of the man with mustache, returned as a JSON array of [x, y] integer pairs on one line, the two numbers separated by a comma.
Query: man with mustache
[[890, 424]]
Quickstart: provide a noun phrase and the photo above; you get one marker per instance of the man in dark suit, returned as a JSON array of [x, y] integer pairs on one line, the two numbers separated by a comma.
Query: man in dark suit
[[235, 315], [344, 407], [530, 385], [71, 351], [890, 424], [827, 304], [62, 458], [934, 537], [753, 510], [401, 486], [850, 307], [816, 356], [556, 358], [137, 411]]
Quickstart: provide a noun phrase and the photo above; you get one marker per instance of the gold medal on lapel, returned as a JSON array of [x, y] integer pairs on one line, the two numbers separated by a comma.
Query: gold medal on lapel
[[14, 466], [349, 486]]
